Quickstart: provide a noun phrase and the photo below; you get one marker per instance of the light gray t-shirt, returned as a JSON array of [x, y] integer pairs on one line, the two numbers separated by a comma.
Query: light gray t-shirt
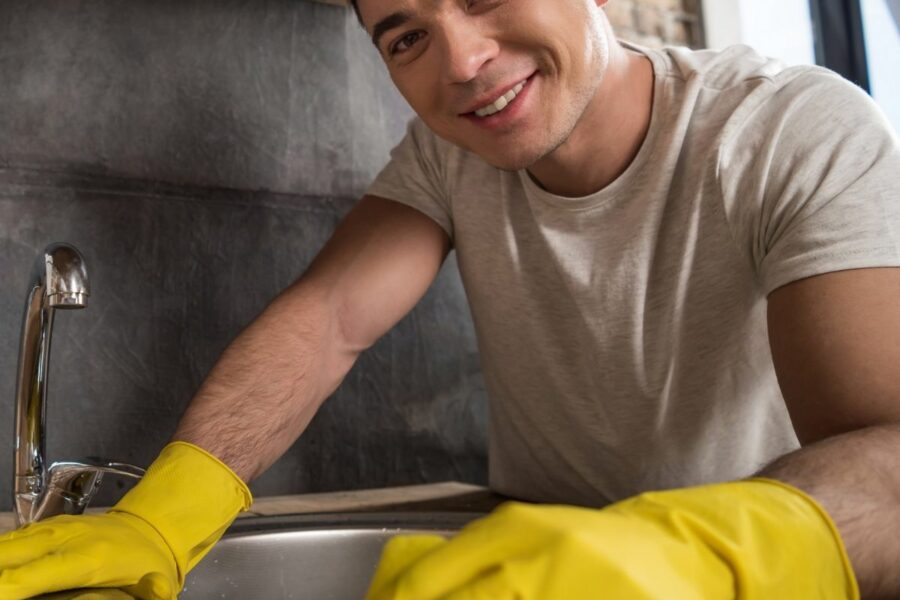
[[623, 334]]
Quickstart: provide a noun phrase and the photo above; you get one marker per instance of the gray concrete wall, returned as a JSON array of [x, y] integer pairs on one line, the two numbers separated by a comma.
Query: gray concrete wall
[[199, 152]]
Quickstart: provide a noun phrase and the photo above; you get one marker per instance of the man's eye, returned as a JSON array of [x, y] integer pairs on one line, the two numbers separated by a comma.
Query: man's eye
[[405, 43]]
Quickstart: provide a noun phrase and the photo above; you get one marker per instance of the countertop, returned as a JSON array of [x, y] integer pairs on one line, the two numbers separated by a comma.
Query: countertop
[[449, 496]]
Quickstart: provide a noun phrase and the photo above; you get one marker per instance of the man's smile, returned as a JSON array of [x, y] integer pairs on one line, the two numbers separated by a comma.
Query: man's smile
[[500, 107], [501, 102]]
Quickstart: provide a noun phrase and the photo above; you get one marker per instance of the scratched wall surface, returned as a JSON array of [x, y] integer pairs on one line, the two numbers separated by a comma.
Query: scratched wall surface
[[199, 153]]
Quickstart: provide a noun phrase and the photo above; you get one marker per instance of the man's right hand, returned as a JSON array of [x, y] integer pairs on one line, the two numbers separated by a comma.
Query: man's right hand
[[115, 549], [146, 544]]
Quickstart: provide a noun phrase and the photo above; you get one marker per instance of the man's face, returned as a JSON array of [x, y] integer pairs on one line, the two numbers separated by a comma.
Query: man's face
[[453, 59]]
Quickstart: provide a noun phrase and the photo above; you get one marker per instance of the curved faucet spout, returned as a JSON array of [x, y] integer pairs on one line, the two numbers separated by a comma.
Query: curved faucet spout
[[59, 280]]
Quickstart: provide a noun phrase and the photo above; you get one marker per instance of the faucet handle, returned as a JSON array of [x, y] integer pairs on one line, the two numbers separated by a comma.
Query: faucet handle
[[101, 465], [72, 484]]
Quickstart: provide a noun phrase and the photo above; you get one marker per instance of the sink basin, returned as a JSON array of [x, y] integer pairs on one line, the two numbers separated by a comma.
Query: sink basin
[[321, 557], [300, 557]]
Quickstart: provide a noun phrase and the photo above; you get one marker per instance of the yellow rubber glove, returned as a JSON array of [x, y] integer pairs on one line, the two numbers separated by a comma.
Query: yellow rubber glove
[[757, 539], [145, 544]]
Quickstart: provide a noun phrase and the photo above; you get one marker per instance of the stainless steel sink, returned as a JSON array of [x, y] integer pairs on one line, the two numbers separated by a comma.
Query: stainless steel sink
[[321, 557], [314, 557]]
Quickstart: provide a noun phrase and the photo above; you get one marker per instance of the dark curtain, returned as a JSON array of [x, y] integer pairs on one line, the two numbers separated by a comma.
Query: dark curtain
[[840, 45]]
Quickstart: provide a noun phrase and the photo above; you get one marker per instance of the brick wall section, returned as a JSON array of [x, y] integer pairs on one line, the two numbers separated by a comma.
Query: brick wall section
[[657, 22]]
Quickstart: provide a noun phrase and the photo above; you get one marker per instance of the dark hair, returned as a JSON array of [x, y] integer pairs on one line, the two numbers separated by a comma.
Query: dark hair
[[356, 10]]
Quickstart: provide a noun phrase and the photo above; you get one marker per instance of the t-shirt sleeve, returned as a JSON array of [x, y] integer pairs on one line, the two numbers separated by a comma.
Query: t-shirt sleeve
[[810, 180], [415, 176]]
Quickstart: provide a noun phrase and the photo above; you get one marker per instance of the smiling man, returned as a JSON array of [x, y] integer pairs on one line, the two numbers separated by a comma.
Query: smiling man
[[682, 269]]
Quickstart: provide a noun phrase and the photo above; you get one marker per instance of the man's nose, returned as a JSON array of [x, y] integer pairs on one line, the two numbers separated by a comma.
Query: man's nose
[[466, 50]]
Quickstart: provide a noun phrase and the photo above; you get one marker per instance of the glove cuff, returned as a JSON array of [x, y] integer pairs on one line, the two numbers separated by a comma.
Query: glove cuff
[[758, 538], [190, 498], [826, 521]]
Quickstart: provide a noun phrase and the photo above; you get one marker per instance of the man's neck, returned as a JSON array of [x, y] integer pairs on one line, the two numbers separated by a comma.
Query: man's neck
[[608, 135]]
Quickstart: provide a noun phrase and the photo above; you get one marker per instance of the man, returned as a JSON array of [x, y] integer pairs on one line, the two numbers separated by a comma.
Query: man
[[681, 267]]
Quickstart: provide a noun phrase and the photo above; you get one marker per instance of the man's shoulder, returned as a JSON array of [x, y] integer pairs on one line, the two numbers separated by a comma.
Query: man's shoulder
[[742, 67], [720, 69], [755, 98]]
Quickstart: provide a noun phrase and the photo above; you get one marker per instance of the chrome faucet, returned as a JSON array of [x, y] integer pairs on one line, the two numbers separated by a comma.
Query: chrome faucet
[[59, 280]]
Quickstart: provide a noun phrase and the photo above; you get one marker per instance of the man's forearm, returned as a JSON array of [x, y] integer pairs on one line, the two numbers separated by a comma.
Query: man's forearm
[[856, 478], [269, 382]]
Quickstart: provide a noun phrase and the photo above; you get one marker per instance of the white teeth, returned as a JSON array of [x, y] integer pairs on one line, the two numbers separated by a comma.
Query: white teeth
[[501, 102]]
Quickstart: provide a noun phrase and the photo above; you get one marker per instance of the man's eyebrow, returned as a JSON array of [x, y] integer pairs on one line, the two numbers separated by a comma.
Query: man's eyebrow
[[389, 22]]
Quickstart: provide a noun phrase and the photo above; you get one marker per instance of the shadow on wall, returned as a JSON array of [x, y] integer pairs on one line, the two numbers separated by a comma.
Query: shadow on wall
[[199, 154], [282, 95]]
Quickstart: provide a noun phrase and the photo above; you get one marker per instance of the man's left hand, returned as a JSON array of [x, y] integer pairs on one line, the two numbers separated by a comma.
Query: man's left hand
[[751, 539]]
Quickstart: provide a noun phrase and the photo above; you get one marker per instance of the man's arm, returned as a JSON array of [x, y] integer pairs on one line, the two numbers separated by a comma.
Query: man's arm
[[836, 346], [258, 398], [273, 377]]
